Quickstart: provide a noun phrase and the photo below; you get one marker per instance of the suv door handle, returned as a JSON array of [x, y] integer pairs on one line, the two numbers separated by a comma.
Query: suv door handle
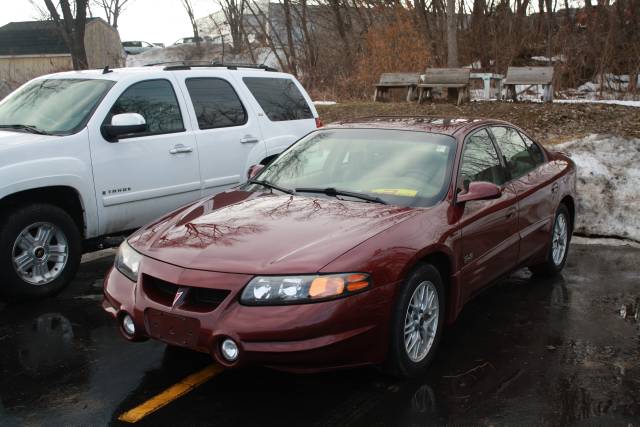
[[510, 212], [554, 187], [180, 148], [249, 139]]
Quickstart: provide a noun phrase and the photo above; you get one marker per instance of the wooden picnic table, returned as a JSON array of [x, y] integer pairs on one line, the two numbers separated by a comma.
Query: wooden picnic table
[[529, 76], [407, 81], [448, 78]]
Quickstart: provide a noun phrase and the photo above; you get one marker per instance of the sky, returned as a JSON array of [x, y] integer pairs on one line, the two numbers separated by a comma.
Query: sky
[[154, 21]]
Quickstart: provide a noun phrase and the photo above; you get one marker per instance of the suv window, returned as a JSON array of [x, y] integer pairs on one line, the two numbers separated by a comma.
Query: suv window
[[279, 98], [155, 100], [480, 161], [516, 153], [216, 103]]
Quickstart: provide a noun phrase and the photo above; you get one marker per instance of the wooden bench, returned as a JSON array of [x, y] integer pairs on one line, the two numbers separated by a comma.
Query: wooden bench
[[449, 78], [396, 80], [529, 76]]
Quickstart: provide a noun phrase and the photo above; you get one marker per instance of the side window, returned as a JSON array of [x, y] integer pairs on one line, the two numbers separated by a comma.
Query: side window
[[154, 100], [216, 103], [480, 161], [516, 154], [279, 98], [534, 149]]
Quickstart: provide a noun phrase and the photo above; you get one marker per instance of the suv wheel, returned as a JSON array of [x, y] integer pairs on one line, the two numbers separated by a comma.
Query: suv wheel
[[40, 250]]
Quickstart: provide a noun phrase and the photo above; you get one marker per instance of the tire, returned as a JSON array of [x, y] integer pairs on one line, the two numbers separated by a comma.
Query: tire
[[404, 360], [554, 264], [55, 250]]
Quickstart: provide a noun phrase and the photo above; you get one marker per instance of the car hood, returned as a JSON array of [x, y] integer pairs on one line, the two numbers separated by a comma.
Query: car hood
[[260, 233], [11, 139], [15, 146]]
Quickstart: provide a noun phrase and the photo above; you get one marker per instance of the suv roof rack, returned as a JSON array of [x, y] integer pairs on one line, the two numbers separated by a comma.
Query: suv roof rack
[[187, 65]]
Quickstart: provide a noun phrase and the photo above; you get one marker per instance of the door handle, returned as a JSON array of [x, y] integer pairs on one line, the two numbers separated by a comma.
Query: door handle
[[180, 148], [511, 212], [249, 139], [554, 187]]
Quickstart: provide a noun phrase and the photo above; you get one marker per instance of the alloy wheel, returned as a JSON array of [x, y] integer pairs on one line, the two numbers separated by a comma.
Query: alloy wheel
[[560, 239], [421, 321], [40, 253]]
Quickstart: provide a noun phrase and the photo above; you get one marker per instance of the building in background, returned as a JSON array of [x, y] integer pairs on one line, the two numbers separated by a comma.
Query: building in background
[[33, 48]]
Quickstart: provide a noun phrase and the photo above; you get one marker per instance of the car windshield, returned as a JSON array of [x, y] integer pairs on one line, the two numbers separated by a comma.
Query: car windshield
[[398, 167], [55, 106]]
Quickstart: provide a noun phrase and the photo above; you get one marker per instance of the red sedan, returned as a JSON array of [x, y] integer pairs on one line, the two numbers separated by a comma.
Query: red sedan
[[355, 246]]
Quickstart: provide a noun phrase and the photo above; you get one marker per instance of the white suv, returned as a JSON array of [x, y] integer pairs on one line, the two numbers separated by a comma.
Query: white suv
[[98, 153]]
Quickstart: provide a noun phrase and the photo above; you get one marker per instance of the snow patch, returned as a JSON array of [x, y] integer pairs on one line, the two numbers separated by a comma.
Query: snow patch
[[598, 101], [608, 185]]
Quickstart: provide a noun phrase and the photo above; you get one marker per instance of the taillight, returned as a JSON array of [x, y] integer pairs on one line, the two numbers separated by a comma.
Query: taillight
[[319, 123]]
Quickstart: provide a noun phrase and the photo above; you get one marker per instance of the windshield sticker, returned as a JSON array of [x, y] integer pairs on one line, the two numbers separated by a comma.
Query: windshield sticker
[[404, 192]]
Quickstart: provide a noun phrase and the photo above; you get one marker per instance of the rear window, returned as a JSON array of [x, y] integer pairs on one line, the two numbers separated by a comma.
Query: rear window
[[216, 103], [279, 98]]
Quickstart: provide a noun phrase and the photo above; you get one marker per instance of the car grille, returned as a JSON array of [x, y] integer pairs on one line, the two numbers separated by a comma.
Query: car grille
[[197, 299]]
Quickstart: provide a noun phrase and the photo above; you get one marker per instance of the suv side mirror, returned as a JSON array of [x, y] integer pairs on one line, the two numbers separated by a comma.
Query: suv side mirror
[[479, 190], [123, 124], [254, 170]]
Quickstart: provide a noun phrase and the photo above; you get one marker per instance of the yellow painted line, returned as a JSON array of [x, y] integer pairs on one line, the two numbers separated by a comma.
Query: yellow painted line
[[172, 393]]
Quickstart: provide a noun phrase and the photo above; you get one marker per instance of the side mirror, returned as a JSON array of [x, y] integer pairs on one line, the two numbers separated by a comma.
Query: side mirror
[[480, 190], [123, 124], [254, 170]]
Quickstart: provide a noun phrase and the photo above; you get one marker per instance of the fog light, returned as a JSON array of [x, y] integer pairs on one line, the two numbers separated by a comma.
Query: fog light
[[128, 326], [229, 350]]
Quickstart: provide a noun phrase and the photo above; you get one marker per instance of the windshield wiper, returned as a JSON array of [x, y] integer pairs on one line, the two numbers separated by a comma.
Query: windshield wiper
[[270, 185], [28, 128], [333, 192]]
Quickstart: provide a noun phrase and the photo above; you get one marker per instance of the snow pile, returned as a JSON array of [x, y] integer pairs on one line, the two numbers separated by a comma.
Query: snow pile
[[608, 185], [207, 52]]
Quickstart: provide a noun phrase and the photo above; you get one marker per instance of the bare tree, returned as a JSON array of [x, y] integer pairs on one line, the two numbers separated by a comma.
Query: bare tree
[[234, 11], [72, 28], [452, 36], [189, 8], [112, 9]]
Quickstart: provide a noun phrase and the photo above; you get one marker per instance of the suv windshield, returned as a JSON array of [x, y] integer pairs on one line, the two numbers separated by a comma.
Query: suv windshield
[[398, 167], [55, 106]]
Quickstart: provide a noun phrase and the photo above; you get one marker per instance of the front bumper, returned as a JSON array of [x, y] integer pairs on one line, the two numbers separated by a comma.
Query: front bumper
[[345, 332]]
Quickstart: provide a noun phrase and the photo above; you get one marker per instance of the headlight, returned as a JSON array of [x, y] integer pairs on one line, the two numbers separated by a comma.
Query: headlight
[[128, 261], [280, 290]]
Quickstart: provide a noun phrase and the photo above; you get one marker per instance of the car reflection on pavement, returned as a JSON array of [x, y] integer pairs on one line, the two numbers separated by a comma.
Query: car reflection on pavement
[[526, 352]]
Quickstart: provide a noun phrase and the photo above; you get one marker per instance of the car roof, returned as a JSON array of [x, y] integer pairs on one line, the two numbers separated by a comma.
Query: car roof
[[442, 125], [116, 74]]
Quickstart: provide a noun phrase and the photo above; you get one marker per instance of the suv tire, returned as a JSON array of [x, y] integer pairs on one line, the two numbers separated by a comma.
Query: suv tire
[[40, 251]]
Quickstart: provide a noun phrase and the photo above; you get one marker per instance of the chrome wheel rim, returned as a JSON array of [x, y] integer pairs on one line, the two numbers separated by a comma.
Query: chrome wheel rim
[[421, 321], [559, 244], [40, 253]]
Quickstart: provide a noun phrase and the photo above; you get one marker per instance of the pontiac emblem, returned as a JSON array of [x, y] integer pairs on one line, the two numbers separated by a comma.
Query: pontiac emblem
[[181, 295]]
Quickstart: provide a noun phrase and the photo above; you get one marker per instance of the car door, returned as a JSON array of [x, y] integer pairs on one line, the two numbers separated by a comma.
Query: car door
[[532, 179], [225, 127], [285, 110], [144, 175], [489, 232]]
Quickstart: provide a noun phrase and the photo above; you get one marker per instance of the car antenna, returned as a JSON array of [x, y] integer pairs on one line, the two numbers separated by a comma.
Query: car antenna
[[106, 70]]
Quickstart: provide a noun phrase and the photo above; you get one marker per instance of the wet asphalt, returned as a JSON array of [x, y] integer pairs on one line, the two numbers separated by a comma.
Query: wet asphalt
[[526, 352]]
